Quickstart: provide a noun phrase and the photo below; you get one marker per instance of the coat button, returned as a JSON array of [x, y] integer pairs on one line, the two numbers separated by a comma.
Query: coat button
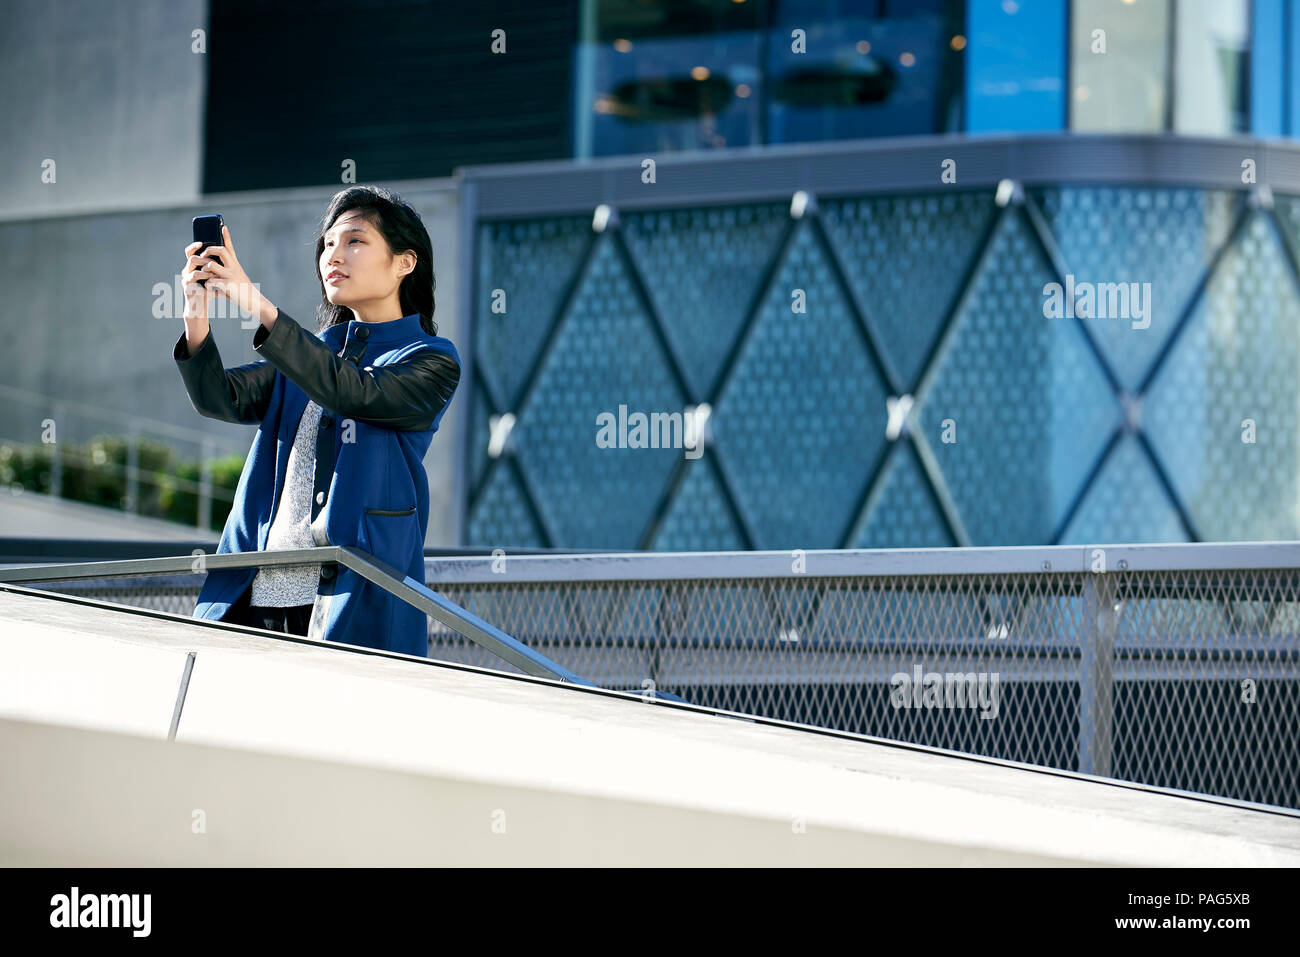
[[362, 332], [327, 572], [320, 498], [326, 421]]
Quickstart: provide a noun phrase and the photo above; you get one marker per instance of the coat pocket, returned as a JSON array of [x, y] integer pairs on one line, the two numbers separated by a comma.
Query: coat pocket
[[393, 537], [391, 534]]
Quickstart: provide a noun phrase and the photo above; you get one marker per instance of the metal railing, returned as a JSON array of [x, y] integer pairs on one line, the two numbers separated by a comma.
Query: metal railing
[[465, 624], [1175, 666], [1168, 665]]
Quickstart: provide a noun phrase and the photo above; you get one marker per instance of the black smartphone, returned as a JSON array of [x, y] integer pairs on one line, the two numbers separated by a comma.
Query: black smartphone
[[207, 230]]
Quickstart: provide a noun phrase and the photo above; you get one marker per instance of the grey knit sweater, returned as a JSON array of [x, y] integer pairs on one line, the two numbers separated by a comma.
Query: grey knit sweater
[[284, 585]]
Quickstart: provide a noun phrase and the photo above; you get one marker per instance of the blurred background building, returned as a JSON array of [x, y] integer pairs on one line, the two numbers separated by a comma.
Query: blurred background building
[[835, 263]]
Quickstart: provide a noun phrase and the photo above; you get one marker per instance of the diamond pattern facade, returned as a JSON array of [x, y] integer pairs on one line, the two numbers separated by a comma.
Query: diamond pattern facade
[[799, 333], [801, 416]]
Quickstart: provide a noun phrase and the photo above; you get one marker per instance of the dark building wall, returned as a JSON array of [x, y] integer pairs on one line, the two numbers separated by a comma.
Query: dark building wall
[[406, 90]]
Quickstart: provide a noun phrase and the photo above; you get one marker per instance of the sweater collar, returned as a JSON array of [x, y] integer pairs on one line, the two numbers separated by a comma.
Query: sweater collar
[[408, 327]]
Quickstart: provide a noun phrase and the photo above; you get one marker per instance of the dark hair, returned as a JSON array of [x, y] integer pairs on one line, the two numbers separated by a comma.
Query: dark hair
[[403, 229]]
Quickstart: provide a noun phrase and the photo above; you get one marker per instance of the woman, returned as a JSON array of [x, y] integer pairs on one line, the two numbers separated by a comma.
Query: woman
[[346, 417]]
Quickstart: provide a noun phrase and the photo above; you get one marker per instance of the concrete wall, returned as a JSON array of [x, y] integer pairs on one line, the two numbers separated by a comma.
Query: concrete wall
[[111, 91]]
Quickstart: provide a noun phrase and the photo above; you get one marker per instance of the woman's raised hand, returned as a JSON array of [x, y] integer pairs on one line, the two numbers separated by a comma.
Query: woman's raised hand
[[224, 276], [197, 297]]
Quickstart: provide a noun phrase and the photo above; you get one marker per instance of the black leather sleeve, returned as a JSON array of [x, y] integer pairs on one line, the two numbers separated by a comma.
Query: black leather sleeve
[[238, 394], [406, 395]]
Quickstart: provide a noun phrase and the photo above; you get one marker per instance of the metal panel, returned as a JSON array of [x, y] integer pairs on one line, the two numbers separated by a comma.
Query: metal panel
[[953, 323]]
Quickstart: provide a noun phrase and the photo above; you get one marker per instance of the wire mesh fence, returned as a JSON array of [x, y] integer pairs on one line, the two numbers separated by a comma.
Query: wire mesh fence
[[1177, 676]]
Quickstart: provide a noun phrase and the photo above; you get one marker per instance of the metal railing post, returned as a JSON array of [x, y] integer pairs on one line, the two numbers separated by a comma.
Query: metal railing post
[[133, 466], [56, 459], [1097, 674], [205, 485]]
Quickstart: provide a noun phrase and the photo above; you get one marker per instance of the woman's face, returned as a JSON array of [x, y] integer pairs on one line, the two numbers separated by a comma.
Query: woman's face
[[370, 273]]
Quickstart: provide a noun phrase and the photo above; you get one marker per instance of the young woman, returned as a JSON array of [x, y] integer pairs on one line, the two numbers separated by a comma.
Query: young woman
[[346, 414]]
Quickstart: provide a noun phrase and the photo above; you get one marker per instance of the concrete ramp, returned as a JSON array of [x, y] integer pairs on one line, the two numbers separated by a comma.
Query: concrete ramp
[[293, 752]]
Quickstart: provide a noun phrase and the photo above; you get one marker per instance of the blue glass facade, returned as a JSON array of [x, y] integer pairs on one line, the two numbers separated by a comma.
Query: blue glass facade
[[685, 76], [672, 76], [1183, 424], [798, 333], [1015, 66]]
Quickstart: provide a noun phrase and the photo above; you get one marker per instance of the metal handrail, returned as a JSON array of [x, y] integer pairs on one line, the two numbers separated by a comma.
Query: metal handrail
[[410, 590], [1056, 560]]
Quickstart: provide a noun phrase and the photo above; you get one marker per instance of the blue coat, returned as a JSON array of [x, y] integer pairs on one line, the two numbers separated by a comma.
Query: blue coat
[[383, 388]]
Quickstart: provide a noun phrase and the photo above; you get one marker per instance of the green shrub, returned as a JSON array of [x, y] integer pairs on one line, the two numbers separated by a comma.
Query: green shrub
[[181, 504], [27, 466], [95, 472]]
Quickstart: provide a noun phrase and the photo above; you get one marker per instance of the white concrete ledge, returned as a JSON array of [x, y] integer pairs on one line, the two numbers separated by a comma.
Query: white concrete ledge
[[302, 753]]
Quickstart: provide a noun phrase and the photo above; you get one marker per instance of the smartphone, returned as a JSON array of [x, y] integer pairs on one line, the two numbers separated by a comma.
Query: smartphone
[[207, 230]]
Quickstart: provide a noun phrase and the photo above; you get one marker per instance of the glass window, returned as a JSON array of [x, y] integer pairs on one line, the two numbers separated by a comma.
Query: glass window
[[1015, 66], [708, 74], [1211, 67], [1150, 66], [667, 76], [1119, 65], [864, 69]]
